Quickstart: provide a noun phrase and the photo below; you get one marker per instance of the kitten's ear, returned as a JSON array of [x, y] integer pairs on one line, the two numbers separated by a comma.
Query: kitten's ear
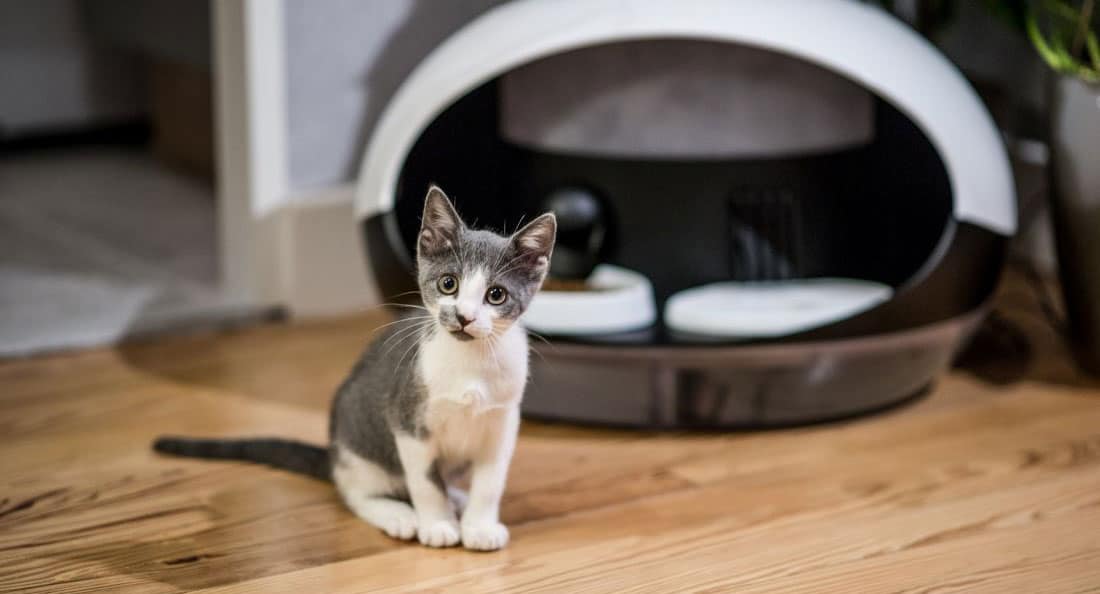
[[440, 224], [536, 240]]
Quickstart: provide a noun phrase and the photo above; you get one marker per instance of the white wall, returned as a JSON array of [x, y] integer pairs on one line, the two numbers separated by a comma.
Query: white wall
[[345, 58]]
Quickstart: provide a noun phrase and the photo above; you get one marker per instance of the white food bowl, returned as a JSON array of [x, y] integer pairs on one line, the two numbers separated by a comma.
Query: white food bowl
[[622, 301], [772, 308]]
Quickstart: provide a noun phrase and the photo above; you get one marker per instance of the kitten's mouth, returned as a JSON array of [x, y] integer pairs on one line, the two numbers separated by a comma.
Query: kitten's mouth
[[462, 335]]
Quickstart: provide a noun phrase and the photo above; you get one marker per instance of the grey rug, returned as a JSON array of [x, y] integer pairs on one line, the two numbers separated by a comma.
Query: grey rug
[[100, 244]]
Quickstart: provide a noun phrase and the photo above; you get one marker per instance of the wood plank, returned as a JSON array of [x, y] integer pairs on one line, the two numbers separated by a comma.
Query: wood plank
[[1056, 442], [719, 539]]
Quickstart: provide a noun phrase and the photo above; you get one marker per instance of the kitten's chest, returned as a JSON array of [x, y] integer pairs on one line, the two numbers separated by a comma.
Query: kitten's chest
[[449, 368], [450, 365]]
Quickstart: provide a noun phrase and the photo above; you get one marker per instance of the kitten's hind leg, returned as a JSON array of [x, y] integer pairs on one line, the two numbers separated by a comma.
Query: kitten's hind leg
[[396, 518], [368, 491]]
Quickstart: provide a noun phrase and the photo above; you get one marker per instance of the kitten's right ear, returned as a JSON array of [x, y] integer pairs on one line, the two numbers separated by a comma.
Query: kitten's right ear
[[440, 224]]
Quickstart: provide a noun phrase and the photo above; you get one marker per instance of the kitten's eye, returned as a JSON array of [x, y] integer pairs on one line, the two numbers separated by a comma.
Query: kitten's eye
[[496, 295], [447, 284]]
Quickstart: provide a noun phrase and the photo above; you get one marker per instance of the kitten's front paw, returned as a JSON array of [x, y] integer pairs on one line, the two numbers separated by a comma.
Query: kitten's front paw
[[488, 536], [441, 533]]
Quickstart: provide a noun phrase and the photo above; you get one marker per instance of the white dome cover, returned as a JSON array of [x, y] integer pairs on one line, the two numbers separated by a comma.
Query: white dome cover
[[856, 40]]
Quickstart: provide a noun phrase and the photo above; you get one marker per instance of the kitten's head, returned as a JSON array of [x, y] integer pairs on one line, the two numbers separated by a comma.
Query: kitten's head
[[477, 283]]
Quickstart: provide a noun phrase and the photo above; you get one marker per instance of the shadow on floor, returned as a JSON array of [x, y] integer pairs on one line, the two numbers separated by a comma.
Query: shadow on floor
[[1023, 339]]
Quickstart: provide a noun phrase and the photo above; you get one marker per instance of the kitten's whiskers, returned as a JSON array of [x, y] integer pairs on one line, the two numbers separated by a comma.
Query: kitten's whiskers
[[405, 334], [398, 321], [415, 344]]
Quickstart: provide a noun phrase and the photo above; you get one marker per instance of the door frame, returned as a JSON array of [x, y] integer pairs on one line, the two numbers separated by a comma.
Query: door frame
[[251, 148]]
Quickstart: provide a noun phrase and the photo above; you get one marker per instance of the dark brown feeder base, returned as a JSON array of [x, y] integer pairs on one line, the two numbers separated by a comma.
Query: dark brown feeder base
[[748, 386]]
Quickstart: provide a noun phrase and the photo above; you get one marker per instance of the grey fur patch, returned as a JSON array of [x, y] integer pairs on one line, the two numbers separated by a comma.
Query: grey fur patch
[[381, 395]]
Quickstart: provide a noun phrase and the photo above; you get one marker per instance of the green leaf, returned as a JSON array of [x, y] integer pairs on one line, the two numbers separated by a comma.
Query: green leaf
[[1093, 47], [1049, 54], [1062, 9]]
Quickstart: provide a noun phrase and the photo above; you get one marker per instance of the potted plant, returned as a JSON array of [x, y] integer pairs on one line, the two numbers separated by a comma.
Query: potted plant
[[1064, 34]]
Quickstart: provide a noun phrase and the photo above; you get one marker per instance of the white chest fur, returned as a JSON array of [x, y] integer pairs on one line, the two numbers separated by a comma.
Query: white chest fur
[[474, 388]]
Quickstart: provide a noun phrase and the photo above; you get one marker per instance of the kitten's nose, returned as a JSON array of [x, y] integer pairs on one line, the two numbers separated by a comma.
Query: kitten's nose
[[462, 320]]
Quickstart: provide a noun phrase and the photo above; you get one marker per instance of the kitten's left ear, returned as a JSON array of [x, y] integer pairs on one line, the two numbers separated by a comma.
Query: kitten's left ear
[[536, 240], [440, 224]]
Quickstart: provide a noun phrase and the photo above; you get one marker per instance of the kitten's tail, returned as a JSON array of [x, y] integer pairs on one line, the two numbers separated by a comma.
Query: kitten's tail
[[284, 454]]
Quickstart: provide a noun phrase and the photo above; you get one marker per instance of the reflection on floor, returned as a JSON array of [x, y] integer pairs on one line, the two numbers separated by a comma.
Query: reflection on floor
[[97, 244]]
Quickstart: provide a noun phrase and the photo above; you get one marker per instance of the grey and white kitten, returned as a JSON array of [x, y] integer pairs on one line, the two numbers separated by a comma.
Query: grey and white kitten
[[432, 407]]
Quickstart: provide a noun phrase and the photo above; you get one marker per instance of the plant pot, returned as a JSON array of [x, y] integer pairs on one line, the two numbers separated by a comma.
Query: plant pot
[[1075, 206]]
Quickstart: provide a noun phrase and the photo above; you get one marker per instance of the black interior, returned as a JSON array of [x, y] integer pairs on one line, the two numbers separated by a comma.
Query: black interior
[[875, 212]]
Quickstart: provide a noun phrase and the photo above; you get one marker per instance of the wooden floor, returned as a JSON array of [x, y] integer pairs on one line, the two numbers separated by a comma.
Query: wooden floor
[[990, 484]]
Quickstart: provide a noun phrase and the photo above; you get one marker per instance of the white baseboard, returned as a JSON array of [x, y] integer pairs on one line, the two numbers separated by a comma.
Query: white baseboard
[[323, 265]]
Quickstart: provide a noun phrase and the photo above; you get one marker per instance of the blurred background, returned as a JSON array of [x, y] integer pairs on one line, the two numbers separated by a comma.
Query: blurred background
[[174, 164], [167, 165]]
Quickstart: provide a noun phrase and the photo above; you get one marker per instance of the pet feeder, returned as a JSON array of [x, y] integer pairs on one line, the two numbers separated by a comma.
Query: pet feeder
[[815, 199]]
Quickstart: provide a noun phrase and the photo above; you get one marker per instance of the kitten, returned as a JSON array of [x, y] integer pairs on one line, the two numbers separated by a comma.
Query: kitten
[[433, 404]]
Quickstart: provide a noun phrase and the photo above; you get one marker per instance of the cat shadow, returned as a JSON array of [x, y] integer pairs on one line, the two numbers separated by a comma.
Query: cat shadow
[[300, 363], [999, 353], [1010, 348]]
